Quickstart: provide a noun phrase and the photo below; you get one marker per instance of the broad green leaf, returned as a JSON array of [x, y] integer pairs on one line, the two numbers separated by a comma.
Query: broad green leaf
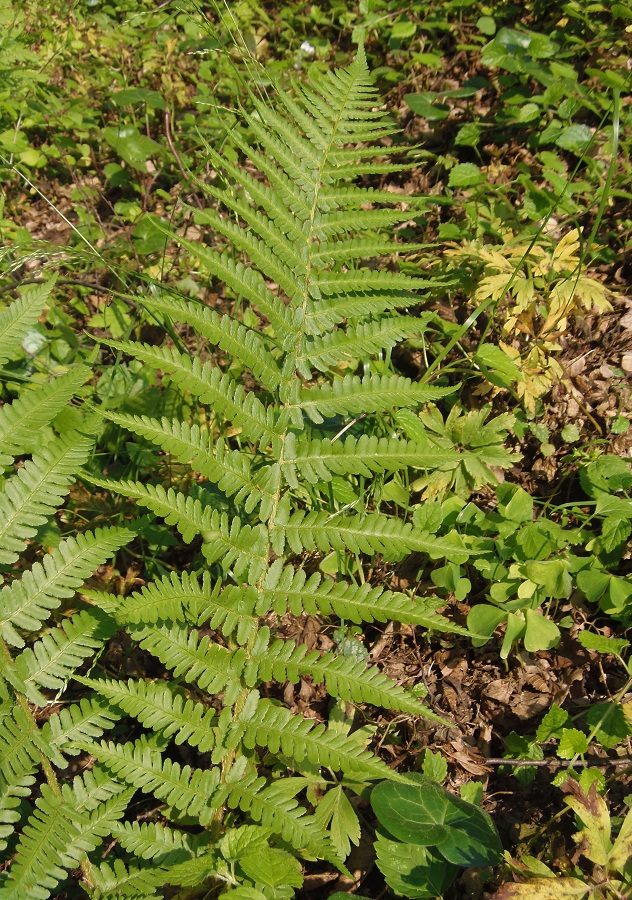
[[541, 633], [552, 723], [274, 869], [611, 723], [621, 853], [573, 742], [483, 620], [411, 870], [514, 503], [465, 175], [423, 813]]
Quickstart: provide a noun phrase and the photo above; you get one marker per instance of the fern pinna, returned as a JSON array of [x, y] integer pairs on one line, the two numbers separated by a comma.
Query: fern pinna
[[283, 466]]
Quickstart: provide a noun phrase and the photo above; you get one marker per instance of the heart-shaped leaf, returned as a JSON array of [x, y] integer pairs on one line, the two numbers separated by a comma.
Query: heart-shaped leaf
[[421, 812]]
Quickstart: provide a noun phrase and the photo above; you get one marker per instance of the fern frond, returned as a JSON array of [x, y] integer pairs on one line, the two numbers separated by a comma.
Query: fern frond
[[157, 706], [115, 881], [164, 845], [371, 533], [22, 746], [172, 598], [285, 589], [330, 253], [270, 200], [11, 797], [26, 603], [246, 282], [275, 807], [192, 445], [373, 393], [243, 547], [210, 666], [348, 679], [36, 490], [92, 789], [339, 223], [21, 315], [356, 342], [83, 720], [52, 660], [55, 841], [320, 460], [231, 611], [140, 765], [34, 409], [243, 344], [278, 730], [268, 255], [210, 385], [321, 315]]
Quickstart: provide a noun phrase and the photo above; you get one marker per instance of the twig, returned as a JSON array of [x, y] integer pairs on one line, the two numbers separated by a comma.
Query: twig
[[62, 281], [560, 763]]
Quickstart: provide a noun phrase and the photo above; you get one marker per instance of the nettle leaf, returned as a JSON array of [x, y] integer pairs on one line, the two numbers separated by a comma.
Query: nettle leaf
[[423, 813], [573, 742], [611, 724]]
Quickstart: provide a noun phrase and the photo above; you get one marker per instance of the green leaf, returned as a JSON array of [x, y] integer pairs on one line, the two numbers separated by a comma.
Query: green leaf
[[132, 146], [497, 367], [611, 724], [602, 644], [573, 742], [514, 503], [465, 175], [486, 25], [274, 869], [424, 105], [575, 138], [552, 723], [423, 813], [411, 870], [435, 766], [541, 633], [335, 811]]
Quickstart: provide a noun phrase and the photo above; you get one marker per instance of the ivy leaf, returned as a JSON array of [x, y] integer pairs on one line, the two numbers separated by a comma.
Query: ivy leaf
[[411, 870], [425, 814]]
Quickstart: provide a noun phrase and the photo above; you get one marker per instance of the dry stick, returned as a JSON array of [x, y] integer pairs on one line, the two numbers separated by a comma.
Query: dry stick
[[560, 763]]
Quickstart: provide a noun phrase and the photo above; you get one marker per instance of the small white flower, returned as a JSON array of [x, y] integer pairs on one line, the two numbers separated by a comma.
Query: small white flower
[[308, 48]]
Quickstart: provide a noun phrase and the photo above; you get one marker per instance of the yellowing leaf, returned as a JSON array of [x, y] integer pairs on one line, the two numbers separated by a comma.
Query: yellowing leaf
[[493, 286], [543, 889], [591, 809], [565, 255], [621, 853]]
